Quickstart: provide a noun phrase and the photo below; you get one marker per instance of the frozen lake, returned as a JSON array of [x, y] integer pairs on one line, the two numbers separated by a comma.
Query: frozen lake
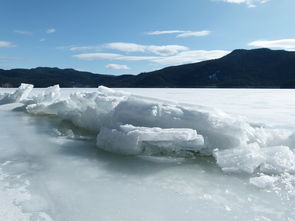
[[51, 166]]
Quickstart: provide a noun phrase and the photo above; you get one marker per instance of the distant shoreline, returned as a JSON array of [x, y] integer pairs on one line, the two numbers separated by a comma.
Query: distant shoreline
[[257, 68]]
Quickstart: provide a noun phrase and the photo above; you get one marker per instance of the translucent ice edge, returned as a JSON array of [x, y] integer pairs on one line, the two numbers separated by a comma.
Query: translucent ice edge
[[136, 125]]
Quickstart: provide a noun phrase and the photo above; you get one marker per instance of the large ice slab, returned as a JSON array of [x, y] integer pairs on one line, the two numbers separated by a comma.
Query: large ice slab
[[110, 109], [143, 140]]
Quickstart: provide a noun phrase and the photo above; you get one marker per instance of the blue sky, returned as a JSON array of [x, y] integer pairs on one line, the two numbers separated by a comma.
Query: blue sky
[[134, 36]]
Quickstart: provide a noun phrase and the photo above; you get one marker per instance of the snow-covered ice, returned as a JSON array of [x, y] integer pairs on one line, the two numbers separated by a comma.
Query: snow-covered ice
[[142, 154]]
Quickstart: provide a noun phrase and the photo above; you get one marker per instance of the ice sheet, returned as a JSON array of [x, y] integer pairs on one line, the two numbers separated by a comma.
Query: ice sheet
[[61, 165], [130, 124]]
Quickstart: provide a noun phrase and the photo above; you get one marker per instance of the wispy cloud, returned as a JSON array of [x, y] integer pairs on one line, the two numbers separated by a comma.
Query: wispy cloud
[[84, 48], [180, 33], [117, 66], [6, 44], [249, 3], [126, 47], [191, 57], [22, 32], [287, 44], [9, 58], [180, 58], [81, 48], [162, 50], [96, 56], [112, 56], [4, 58], [193, 33], [50, 31], [164, 32]]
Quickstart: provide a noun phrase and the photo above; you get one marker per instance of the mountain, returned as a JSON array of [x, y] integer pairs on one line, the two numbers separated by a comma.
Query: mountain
[[256, 68], [241, 68]]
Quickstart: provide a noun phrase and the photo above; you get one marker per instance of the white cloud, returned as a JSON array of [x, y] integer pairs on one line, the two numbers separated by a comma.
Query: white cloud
[[126, 47], [136, 58], [162, 50], [42, 39], [84, 48], [6, 44], [117, 66], [165, 50], [180, 58], [193, 33], [191, 57], [164, 32], [22, 32], [111, 56], [181, 33], [80, 48], [250, 3], [96, 56], [50, 31], [287, 44]]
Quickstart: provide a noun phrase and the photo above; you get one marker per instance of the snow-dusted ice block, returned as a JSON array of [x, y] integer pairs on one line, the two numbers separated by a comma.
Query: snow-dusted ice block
[[269, 160], [263, 181], [280, 159], [45, 108], [49, 95], [136, 140], [91, 111], [242, 159], [19, 95]]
